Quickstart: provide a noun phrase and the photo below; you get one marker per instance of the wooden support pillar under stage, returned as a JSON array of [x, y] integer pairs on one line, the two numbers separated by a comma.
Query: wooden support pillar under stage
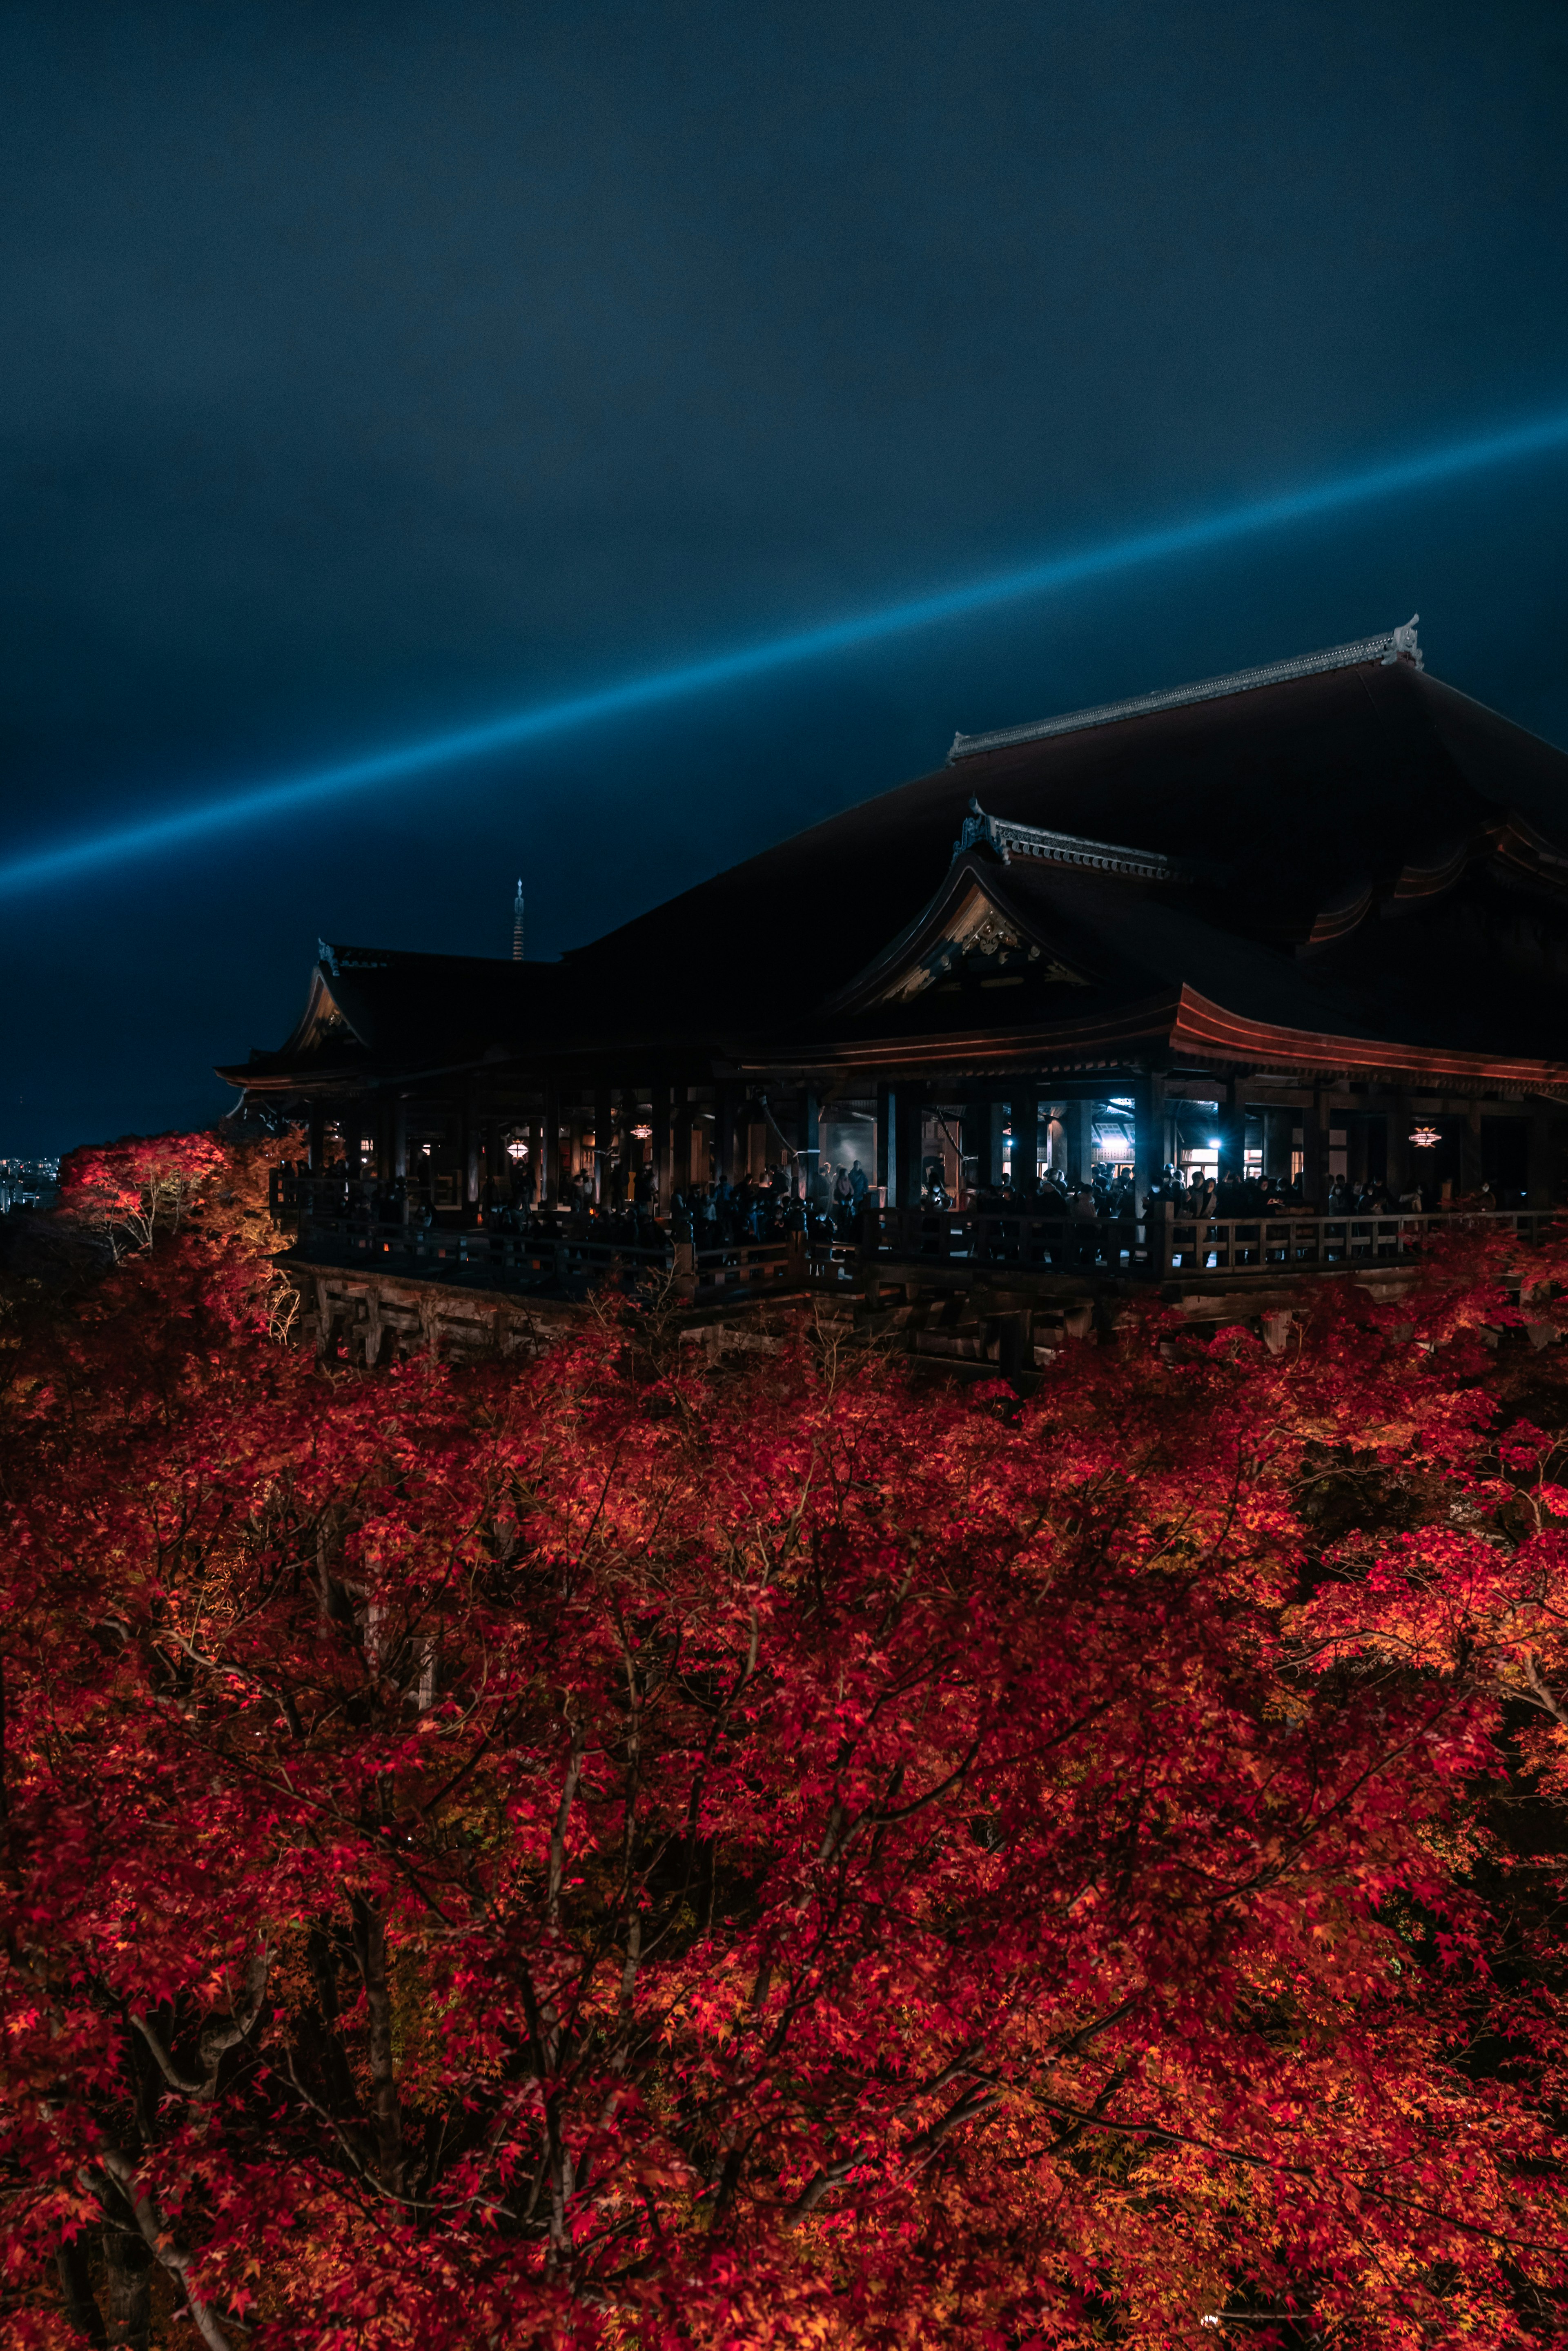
[[315, 1137], [400, 1137], [353, 1120]]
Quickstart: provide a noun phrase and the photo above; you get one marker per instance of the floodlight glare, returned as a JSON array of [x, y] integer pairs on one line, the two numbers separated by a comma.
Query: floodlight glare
[[38, 868]]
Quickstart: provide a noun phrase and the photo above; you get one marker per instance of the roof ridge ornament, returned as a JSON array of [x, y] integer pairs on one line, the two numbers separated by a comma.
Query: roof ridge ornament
[[1393, 645], [1009, 840]]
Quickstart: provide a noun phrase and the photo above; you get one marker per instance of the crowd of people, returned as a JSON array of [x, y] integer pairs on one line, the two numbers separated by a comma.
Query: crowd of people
[[1198, 1193], [767, 1207]]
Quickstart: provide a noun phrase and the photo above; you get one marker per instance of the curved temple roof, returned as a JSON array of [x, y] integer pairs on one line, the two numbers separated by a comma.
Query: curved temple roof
[[1339, 847]]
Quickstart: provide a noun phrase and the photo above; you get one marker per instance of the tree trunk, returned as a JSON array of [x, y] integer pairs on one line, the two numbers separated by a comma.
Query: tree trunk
[[76, 2290], [128, 2284], [371, 1949]]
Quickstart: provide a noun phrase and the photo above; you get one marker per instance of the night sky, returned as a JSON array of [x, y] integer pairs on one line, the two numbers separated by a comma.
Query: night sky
[[371, 370]]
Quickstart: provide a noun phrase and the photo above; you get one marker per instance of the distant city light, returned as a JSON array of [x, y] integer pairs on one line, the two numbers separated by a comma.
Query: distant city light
[[36, 869]]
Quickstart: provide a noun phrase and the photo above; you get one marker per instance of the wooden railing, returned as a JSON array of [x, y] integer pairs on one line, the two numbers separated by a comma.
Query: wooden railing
[[1006, 1238], [344, 1221], [1164, 1245], [348, 1218]]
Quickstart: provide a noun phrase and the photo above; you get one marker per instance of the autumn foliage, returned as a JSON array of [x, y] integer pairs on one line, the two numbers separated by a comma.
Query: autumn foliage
[[643, 1849]]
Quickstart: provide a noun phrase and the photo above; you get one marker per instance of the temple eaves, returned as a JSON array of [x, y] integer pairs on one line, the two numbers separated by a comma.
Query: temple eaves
[[1010, 840], [1394, 644]]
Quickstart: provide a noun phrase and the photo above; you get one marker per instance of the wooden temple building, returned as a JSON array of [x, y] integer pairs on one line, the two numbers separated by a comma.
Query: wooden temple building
[[1309, 920]]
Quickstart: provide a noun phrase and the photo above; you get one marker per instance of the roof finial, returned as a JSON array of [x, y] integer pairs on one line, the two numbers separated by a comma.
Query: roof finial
[[517, 923], [1403, 645]]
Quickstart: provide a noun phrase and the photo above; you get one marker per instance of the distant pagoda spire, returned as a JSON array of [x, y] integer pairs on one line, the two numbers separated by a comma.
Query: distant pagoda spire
[[518, 925]]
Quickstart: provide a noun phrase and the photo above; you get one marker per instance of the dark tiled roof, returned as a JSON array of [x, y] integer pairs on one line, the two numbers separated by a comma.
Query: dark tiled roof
[[1340, 805]]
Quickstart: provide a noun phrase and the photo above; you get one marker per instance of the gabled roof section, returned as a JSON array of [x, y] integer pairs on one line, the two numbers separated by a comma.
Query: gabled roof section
[[1394, 644], [968, 936]]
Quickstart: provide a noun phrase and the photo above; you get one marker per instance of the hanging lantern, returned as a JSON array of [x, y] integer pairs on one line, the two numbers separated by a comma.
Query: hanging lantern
[[643, 1133], [1426, 1138], [517, 1149]]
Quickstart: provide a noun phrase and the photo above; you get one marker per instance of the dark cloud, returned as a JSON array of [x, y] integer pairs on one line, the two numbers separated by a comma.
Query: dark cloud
[[373, 368]]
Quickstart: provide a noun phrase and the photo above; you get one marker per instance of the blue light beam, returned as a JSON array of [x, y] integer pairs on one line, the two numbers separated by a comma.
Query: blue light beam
[[39, 868]]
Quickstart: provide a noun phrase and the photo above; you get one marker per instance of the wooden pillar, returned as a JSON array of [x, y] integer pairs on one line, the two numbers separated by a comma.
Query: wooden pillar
[[808, 1172], [549, 1192], [984, 1121], [315, 1136], [603, 1120], [659, 1148], [1231, 1128], [1148, 1133], [1401, 1119], [469, 1131], [1470, 1149], [1315, 1150], [400, 1136], [1279, 1125], [909, 1117], [885, 1174], [1538, 1161], [681, 1125], [353, 1120], [1079, 1142]]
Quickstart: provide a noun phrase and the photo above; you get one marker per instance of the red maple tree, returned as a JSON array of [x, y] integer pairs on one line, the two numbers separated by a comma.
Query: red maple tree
[[635, 1852]]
